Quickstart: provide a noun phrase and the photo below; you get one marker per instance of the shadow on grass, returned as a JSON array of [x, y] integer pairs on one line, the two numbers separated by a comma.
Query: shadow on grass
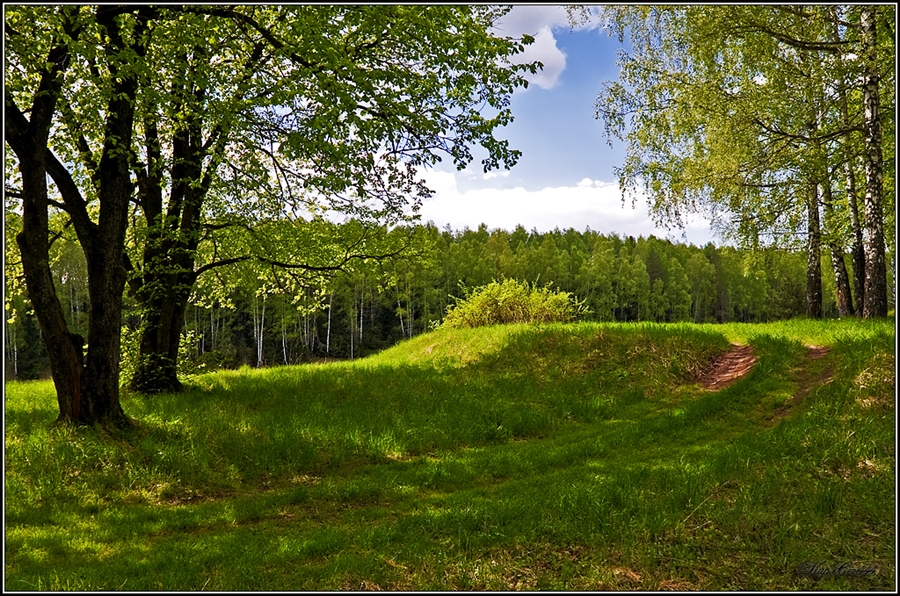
[[310, 478]]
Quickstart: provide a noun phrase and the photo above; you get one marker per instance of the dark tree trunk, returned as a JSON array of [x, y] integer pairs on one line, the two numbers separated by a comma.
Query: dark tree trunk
[[63, 348], [813, 255], [87, 392], [163, 286], [161, 327], [106, 270], [839, 268], [167, 274], [875, 300], [107, 281]]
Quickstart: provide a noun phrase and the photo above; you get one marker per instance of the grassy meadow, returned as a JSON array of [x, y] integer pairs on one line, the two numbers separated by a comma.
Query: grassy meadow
[[550, 457]]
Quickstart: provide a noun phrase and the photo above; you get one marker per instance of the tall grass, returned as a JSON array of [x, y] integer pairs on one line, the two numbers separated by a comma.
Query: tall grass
[[577, 456]]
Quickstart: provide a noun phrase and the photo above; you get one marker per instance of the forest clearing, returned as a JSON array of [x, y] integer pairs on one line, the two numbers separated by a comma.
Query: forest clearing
[[240, 353], [565, 456]]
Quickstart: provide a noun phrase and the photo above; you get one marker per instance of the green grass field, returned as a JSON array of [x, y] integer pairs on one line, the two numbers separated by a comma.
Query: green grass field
[[556, 457]]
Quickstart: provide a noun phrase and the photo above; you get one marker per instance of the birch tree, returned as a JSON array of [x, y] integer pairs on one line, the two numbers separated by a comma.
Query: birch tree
[[726, 110]]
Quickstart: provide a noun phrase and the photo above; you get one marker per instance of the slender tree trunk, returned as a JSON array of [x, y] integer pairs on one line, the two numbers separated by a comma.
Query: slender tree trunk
[[813, 255], [875, 299], [283, 334], [409, 303], [259, 321], [12, 349], [400, 314], [857, 251], [328, 332], [306, 333], [361, 314], [839, 268]]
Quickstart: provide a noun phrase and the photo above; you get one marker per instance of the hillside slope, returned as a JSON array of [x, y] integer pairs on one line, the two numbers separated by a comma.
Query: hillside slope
[[558, 457]]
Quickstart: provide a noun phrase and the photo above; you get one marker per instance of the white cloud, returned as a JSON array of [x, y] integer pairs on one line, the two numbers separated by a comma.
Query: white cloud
[[588, 203], [551, 57], [538, 21], [528, 19]]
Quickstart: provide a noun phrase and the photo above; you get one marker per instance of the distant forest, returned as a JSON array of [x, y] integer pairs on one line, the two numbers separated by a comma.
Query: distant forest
[[234, 321]]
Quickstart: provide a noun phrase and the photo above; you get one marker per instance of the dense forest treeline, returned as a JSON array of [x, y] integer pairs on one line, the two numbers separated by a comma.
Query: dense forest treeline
[[234, 320]]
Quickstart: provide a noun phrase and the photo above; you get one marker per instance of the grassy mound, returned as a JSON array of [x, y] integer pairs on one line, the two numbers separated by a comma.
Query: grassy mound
[[579, 456]]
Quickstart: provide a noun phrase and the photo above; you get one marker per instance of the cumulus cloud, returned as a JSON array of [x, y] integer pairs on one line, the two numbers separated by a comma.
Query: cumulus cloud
[[587, 203], [551, 57], [539, 22], [469, 197]]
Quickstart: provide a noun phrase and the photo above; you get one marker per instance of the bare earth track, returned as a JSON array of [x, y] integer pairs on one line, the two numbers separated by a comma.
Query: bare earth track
[[728, 368]]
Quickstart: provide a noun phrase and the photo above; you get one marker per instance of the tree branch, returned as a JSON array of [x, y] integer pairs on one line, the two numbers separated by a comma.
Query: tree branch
[[73, 201], [229, 13]]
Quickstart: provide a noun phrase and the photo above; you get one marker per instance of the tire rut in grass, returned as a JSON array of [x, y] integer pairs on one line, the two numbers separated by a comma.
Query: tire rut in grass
[[810, 375]]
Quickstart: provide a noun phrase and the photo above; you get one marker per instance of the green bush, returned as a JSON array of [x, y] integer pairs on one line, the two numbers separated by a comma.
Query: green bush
[[511, 301]]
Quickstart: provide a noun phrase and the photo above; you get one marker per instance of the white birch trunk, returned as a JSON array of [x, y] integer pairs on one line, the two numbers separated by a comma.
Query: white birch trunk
[[328, 333]]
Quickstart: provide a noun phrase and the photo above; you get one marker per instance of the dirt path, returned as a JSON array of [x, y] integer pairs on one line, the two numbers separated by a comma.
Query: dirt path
[[737, 362], [728, 368]]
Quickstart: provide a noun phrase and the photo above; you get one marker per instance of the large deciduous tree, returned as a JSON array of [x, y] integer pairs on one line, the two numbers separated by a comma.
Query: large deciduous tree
[[169, 124], [38, 75], [333, 107]]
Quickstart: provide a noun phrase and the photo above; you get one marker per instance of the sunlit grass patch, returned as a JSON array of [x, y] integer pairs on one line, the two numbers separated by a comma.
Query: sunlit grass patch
[[557, 457]]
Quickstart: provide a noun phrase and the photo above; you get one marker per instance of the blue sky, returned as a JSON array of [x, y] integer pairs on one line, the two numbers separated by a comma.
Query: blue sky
[[565, 175]]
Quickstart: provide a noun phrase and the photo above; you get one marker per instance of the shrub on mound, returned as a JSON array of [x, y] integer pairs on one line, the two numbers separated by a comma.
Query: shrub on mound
[[511, 301]]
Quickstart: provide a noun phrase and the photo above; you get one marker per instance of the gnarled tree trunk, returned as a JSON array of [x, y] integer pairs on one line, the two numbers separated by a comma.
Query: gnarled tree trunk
[[87, 391]]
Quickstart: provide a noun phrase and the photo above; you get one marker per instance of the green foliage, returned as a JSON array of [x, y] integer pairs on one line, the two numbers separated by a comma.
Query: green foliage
[[512, 301], [131, 357], [737, 107], [758, 116], [31, 357], [373, 304]]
